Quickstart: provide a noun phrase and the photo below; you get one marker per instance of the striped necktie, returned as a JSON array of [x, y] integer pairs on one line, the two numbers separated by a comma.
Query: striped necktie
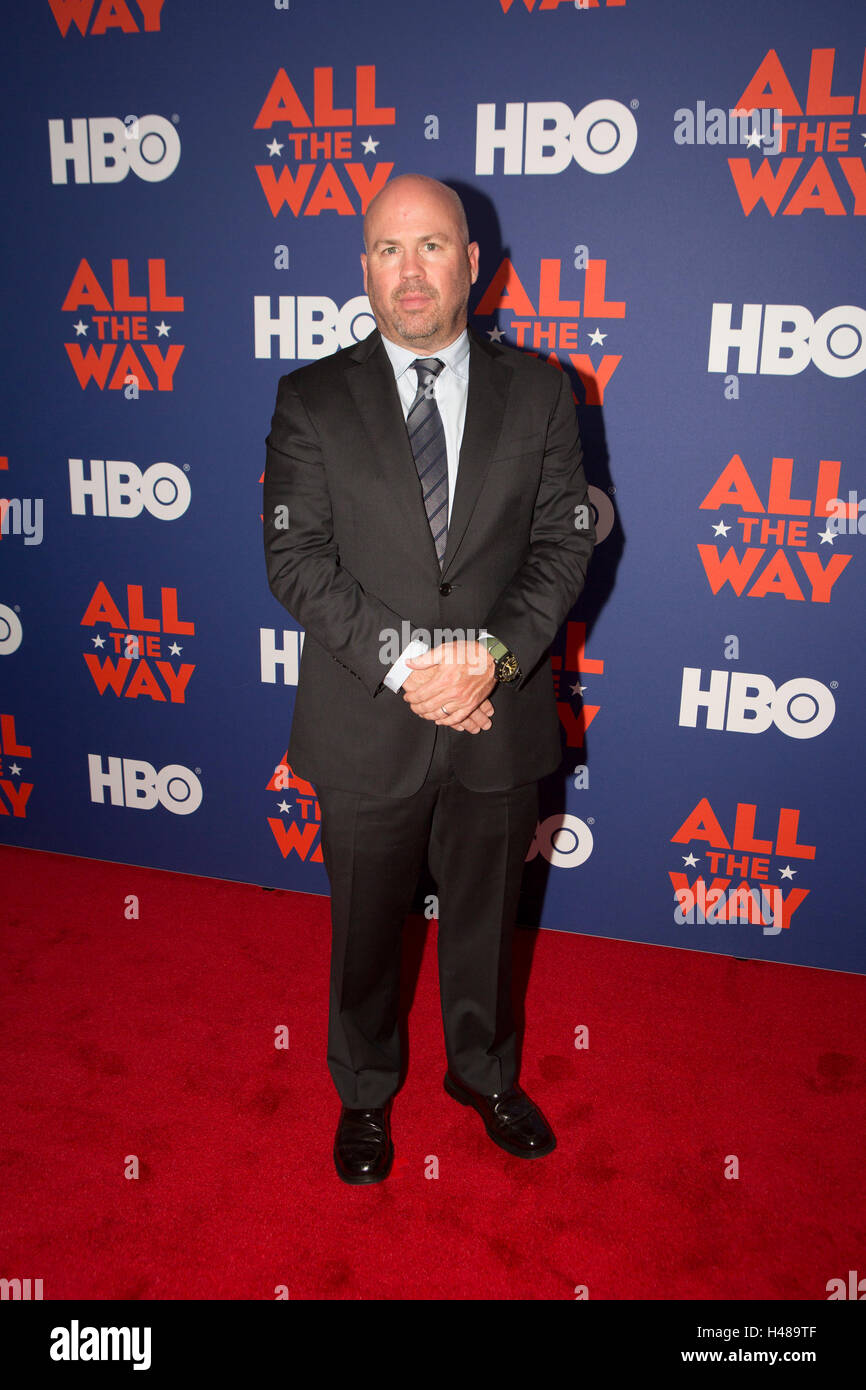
[[427, 438]]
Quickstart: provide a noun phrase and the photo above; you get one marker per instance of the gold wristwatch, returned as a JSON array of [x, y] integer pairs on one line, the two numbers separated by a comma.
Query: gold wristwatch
[[507, 665]]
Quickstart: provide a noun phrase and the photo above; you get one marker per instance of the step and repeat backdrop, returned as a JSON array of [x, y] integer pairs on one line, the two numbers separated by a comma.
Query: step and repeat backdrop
[[669, 201]]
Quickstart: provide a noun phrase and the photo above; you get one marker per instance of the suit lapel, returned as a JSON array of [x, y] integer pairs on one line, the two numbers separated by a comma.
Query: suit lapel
[[370, 379], [489, 380]]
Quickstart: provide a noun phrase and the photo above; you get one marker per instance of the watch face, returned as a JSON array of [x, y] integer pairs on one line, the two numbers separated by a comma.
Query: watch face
[[507, 669]]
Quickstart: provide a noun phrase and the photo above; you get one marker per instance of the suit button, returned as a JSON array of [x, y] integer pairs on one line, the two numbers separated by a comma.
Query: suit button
[[445, 589]]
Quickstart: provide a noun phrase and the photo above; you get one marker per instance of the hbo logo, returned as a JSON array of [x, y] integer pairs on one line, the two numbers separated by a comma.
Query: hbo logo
[[310, 326], [789, 340], [11, 630], [543, 137], [801, 708], [139, 785], [104, 149], [564, 840], [121, 489]]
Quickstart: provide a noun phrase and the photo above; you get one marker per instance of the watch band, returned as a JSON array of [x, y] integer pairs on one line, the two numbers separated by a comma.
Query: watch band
[[507, 665]]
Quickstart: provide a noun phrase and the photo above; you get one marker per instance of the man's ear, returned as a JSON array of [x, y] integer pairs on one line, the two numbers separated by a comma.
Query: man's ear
[[472, 249], [364, 269]]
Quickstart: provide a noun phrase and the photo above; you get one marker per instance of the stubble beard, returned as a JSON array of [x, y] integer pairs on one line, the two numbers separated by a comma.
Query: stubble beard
[[420, 326], [426, 324]]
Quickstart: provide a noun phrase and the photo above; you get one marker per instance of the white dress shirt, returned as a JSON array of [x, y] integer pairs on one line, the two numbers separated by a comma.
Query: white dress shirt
[[451, 388]]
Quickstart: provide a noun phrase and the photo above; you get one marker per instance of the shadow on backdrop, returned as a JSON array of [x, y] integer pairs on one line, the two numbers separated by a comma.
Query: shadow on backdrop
[[485, 228]]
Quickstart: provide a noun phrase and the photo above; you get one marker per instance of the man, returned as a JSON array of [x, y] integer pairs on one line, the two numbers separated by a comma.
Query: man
[[425, 482]]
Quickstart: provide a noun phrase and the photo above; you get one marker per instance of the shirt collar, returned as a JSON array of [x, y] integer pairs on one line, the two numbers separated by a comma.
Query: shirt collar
[[455, 355]]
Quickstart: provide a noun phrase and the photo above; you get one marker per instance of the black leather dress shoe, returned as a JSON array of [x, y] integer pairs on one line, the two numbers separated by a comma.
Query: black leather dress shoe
[[510, 1118], [363, 1151]]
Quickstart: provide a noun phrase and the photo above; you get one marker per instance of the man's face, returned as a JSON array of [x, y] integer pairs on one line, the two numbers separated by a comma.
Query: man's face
[[417, 268]]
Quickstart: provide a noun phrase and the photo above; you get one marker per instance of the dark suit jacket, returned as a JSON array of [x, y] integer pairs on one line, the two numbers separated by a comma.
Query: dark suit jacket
[[356, 562]]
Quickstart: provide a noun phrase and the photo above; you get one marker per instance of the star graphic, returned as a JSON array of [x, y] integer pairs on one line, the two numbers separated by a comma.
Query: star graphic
[[495, 335], [175, 649], [98, 641], [721, 529], [689, 860], [15, 769], [370, 145], [754, 140], [787, 872], [827, 537], [597, 338], [285, 806], [80, 328], [275, 147], [578, 689], [163, 329], [863, 133]]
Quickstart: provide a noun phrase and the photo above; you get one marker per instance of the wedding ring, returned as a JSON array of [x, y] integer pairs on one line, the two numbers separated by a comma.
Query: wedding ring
[[443, 709]]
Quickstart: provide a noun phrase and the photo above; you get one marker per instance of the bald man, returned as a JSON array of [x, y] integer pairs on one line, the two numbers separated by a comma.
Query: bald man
[[437, 538]]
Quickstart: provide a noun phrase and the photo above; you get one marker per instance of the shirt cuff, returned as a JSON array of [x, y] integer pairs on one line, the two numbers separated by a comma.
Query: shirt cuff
[[399, 671]]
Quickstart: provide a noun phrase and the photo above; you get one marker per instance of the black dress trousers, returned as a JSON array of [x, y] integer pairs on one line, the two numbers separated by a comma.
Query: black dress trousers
[[373, 847]]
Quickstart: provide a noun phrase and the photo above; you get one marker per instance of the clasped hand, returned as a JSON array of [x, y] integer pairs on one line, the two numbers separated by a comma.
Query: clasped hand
[[458, 676]]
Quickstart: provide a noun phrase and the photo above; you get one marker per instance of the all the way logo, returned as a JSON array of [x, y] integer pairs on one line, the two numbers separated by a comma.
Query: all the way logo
[[316, 166], [136, 662], [297, 826], [120, 355], [742, 876], [816, 170], [569, 671], [92, 17], [551, 315], [104, 149], [14, 792], [762, 546]]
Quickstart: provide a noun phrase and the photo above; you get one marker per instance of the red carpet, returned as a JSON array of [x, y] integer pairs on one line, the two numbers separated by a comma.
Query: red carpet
[[155, 1038]]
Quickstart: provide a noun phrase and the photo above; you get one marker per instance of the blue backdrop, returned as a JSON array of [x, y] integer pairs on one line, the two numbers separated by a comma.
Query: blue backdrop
[[185, 190]]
